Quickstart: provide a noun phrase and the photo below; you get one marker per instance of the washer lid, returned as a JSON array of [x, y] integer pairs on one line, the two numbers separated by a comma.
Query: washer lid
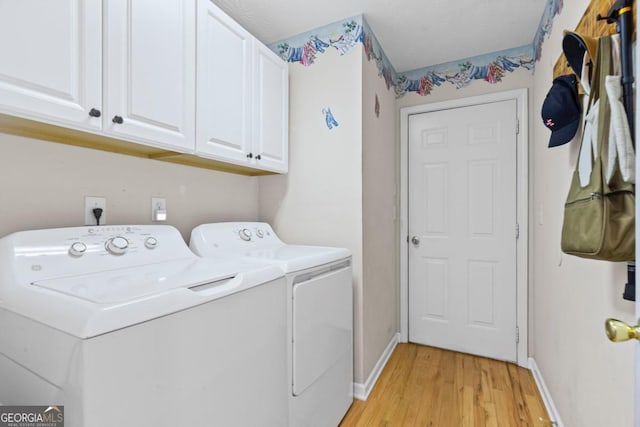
[[132, 283], [93, 304], [292, 258], [69, 279]]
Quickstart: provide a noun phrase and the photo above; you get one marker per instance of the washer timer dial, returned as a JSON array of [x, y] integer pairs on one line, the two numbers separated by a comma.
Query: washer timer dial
[[117, 245], [245, 234]]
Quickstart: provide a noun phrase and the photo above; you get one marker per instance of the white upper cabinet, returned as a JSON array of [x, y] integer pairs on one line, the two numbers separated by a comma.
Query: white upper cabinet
[[135, 71], [224, 86], [51, 61], [242, 100], [271, 110], [135, 80], [150, 72]]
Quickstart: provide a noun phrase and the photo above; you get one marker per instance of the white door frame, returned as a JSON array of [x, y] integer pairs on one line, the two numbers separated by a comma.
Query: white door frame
[[522, 244]]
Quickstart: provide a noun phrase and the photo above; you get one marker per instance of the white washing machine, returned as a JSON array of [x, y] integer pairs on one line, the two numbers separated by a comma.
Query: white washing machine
[[125, 326], [319, 314]]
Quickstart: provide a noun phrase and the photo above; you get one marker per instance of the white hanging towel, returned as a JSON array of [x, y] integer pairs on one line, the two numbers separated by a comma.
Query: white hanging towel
[[620, 143]]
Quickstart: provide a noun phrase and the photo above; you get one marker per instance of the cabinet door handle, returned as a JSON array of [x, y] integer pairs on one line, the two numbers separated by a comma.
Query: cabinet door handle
[[117, 119], [95, 112], [250, 156], [258, 157]]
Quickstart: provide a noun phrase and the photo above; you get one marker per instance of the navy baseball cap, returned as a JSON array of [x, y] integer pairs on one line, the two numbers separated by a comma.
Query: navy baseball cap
[[561, 110], [574, 46]]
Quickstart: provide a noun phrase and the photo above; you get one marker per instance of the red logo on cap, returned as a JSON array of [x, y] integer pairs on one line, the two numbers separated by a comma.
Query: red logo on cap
[[550, 123]]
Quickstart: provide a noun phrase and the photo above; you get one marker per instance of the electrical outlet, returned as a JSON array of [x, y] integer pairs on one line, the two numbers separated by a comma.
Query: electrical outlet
[[90, 203], [158, 209]]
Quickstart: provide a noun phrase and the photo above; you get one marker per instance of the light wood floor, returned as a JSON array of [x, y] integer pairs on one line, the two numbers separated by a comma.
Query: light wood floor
[[425, 386]]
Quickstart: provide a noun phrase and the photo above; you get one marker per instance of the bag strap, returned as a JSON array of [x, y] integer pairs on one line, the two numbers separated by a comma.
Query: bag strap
[[589, 150], [603, 69]]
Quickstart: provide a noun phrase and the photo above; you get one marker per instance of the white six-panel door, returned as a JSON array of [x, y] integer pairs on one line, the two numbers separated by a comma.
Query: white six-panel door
[[462, 223]]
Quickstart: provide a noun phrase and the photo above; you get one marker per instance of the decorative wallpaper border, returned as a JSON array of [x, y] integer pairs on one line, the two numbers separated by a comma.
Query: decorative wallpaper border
[[374, 51], [344, 35], [553, 8], [490, 68]]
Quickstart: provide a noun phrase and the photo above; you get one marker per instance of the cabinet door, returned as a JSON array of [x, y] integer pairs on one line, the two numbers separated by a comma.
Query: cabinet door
[[51, 61], [271, 110], [224, 83], [150, 78]]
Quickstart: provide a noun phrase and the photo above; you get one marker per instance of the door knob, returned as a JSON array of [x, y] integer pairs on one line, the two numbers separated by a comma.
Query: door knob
[[415, 240], [619, 331]]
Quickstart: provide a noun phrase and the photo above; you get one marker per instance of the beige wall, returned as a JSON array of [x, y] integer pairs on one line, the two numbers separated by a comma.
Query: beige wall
[[340, 189], [380, 250], [319, 202], [43, 185], [590, 379]]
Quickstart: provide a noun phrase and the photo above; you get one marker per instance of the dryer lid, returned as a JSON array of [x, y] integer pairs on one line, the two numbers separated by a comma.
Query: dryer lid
[[293, 258]]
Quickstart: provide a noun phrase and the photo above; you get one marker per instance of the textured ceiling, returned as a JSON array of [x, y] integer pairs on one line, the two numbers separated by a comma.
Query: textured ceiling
[[413, 33]]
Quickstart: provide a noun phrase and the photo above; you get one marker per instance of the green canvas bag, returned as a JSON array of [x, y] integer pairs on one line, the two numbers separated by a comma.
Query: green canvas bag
[[599, 219]]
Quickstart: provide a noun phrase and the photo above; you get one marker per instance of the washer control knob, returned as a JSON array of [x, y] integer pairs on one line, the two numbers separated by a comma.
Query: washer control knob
[[150, 242], [260, 233], [117, 245], [245, 234], [77, 249]]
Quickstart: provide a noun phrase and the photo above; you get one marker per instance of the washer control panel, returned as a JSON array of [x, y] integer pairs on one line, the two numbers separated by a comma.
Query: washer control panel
[[116, 240], [42, 254]]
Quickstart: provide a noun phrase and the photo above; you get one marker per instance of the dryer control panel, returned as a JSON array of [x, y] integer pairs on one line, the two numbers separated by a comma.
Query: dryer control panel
[[255, 231], [231, 237]]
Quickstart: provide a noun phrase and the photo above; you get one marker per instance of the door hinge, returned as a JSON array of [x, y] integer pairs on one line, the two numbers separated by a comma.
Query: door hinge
[[517, 126], [517, 231], [407, 239], [517, 335]]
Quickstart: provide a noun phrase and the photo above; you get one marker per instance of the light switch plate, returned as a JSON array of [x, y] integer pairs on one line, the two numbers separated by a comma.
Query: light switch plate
[[158, 209]]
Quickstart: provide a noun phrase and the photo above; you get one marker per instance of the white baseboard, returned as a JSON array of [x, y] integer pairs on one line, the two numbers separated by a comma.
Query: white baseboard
[[361, 391], [544, 392]]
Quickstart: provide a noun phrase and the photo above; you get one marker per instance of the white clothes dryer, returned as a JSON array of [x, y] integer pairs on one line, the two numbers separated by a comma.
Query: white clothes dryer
[[125, 326], [319, 314]]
